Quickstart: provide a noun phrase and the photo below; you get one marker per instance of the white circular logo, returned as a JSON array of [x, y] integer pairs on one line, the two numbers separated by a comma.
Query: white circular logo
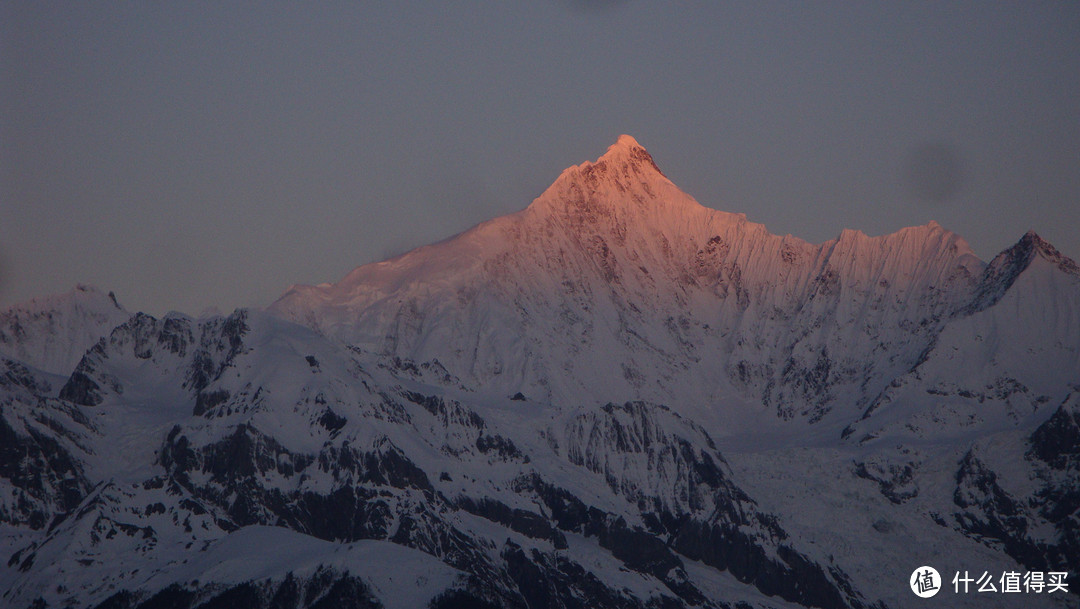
[[925, 582]]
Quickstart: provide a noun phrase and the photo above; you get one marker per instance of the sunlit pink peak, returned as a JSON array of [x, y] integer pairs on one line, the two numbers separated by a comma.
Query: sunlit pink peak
[[626, 157], [625, 142], [625, 175], [627, 151]]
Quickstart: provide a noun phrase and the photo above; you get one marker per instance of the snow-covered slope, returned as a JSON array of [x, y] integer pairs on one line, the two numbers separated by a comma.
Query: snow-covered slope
[[615, 397], [1007, 359], [203, 428], [51, 333]]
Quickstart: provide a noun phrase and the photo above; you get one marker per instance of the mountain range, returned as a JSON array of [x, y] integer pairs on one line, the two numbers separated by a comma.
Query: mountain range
[[616, 397]]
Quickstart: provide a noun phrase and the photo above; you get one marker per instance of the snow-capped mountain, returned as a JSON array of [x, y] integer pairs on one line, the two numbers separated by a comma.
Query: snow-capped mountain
[[53, 332], [614, 398]]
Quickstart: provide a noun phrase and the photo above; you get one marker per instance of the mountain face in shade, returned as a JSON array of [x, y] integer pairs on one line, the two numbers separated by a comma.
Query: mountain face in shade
[[615, 397], [52, 333]]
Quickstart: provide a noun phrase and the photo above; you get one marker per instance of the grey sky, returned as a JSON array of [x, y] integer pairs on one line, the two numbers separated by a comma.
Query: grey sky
[[189, 155]]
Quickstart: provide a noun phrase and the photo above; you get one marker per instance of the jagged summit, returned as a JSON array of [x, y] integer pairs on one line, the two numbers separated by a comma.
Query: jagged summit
[[1017, 258], [626, 156], [627, 151], [1032, 244], [1007, 267], [625, 179]]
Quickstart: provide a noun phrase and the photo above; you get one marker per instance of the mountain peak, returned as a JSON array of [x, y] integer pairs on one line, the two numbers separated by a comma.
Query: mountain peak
[[1031, 245], [51, 333], [1007, 266], [627, 152], [624, 143], [625, 175]]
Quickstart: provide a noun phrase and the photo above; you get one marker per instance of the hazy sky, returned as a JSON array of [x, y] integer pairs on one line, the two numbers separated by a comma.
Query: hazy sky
[[192, 154]]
